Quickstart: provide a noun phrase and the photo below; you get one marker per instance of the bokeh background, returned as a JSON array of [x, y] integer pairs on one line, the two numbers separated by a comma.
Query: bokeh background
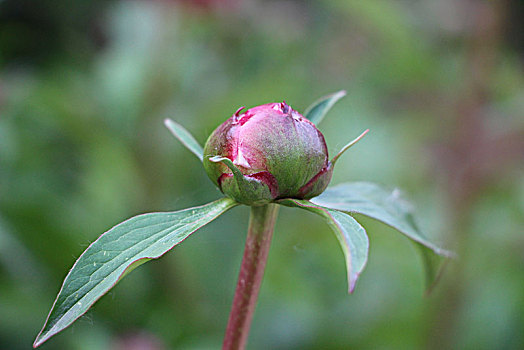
[[85, 85]]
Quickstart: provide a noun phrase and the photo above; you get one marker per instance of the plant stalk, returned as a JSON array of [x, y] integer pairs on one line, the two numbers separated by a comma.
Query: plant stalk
[[260, 232]]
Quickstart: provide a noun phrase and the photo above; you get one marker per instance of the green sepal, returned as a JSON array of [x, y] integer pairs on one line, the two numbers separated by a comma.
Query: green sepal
[[241, 188]]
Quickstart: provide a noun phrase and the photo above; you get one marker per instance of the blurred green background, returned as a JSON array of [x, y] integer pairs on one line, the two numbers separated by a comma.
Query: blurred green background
[[85, 85]]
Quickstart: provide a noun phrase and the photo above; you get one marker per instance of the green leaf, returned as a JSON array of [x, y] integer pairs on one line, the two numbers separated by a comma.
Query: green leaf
[[317, 111], [351, 236], [185, 137], [389, 207], [116, 252]]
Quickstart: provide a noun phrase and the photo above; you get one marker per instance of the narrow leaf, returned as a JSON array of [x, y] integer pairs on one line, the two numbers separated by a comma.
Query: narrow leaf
[[348, 146], [351, 236], [389, 207], [318, 110], [185, 137], [116, 252]]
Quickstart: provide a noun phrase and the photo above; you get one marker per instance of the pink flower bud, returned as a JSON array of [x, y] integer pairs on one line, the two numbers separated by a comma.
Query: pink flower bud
[[278, 154]]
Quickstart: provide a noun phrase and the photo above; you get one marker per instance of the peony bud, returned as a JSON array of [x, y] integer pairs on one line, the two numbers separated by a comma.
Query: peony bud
[[268, 152]]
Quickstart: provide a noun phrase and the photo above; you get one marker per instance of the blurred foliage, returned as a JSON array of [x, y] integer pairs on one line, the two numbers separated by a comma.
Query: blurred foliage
[[84, 87]]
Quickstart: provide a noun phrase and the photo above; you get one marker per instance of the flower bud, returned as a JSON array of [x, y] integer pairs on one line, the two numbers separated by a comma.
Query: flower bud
[[265, 153]]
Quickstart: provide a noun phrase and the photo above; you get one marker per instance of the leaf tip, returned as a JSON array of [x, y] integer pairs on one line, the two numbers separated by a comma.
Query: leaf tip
[[216, 159], [168, 122], [38, 341], [352, 282], [341, 93], [171, 125], [431, 285], [447, 253]]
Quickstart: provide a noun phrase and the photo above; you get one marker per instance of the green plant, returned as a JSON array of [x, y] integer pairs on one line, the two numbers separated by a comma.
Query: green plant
[[288, 167]]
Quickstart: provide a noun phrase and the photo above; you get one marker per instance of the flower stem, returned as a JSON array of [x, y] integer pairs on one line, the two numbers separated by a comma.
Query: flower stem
[[261, 224]]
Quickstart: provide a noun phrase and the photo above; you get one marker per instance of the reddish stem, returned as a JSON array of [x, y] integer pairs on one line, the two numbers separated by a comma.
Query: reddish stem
[[261, 224]]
